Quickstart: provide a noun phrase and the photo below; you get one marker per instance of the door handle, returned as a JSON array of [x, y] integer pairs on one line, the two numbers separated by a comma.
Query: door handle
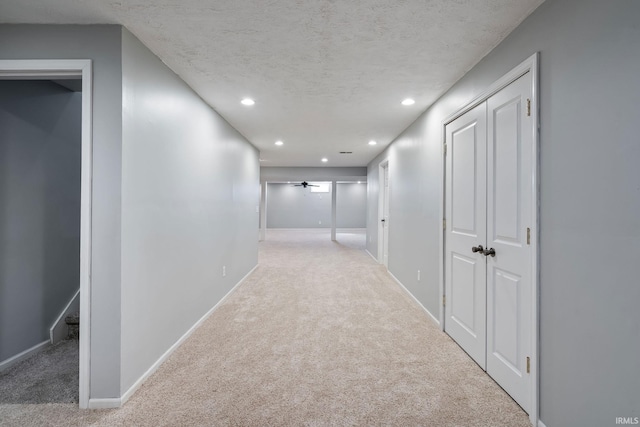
[[382, 220], [488, 252], [478, 248]]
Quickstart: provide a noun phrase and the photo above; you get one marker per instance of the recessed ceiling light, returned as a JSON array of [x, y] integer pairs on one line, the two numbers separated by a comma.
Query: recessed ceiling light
[[372, 142], [359, 182], [279, 143], [247, 101], [408, 101], [325, 160]]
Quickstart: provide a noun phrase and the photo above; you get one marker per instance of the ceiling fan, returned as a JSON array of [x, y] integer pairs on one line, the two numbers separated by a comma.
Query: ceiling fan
[[305, 184]]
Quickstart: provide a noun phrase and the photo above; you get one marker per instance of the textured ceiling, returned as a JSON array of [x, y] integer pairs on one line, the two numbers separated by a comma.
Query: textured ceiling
[[327, 75]]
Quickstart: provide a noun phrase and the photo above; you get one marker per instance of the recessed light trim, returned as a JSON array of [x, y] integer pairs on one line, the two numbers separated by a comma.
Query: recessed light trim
[[372, 142], [279, 143], [325, 160], [408, 101], [247, 101]]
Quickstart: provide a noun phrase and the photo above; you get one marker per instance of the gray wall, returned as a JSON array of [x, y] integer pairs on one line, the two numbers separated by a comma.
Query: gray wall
[[351, 205], [101, 44], [40, 219], [297, 207], [589, 208], [190, 189]]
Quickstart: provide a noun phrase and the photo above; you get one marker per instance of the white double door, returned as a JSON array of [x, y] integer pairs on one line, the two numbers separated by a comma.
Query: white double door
[[488, 263]]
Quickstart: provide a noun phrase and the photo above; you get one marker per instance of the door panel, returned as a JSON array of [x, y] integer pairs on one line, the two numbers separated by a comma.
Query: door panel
[[506, 172], [464, 164], [463, 290], [506, 295], [509, 210], [465, 271]]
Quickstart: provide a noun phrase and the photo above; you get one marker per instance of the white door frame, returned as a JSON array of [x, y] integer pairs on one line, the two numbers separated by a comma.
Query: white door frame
[[381, 194], [57, 69], [528, 65]]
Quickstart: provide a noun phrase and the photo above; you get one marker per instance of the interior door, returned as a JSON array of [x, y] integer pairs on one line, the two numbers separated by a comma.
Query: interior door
[[488, 259], [509, 199], [465, 265]]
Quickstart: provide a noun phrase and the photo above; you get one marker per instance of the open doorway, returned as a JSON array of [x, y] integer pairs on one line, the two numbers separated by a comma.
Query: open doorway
[[330, 209], [45, 192]]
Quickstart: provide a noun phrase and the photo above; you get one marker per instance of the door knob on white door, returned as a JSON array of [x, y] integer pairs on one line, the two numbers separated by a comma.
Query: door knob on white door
[[488, 252], [478, 248]]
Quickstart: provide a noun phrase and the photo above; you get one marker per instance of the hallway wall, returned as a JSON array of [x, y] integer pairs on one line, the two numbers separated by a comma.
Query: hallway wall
[[190, 189], [101, 44], [589, 206], [40, 214], [351, 205], [297, 207]]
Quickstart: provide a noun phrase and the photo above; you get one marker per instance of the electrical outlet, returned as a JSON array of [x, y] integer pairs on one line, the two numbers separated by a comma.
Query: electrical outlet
[[224, 271], [418, 275], [320, 222], [257, 209]]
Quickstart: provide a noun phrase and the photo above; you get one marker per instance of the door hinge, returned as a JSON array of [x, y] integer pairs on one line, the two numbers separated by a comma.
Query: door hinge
[[444, 224], [528, 236], [528, 365], [444, 300], [528, 107], [445, 150]]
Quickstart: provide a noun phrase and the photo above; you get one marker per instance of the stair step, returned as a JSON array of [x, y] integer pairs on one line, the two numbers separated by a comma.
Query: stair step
[[73, 326]]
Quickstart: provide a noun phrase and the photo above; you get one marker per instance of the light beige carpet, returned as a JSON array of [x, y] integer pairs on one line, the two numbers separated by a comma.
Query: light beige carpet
[[319, 335]]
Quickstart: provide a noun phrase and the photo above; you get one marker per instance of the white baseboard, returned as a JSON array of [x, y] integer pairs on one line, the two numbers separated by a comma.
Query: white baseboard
[[374, 258], [541, 424], [123, 399], [6, 364], [58, 330], [351, 230], [109, 403], [435, 320]]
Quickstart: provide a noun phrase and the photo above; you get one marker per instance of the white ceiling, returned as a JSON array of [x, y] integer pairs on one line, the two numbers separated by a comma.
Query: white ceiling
[[326, 75]]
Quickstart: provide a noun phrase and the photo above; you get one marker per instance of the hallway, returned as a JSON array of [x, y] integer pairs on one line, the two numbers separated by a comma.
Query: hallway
[[319, 334]]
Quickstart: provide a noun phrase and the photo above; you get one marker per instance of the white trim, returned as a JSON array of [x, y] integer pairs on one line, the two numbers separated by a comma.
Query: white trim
[[523, 68], [528, 65], [441, 235], [104, 403], [123, 399], [535, 224], [431, 316], [58, 68], [59, 322], [6, 364], [541, 424], [371, 255]]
